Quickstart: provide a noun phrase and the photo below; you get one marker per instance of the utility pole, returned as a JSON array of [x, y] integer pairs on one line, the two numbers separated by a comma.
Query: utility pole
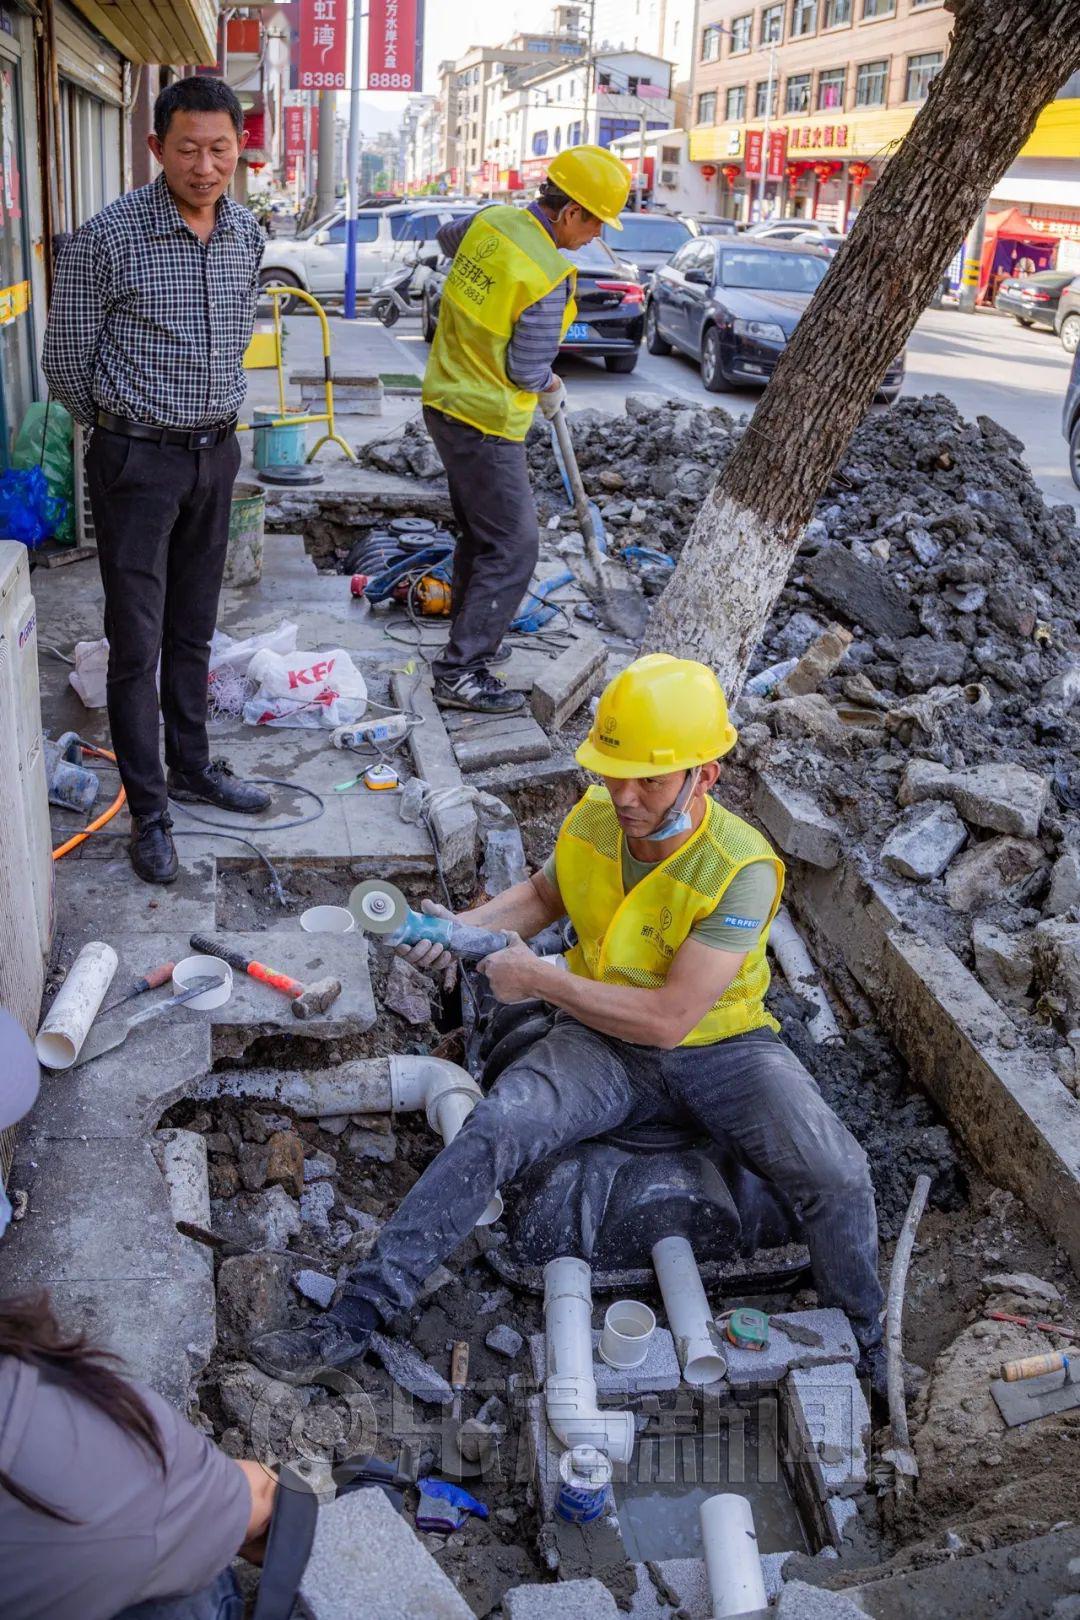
[[639, 201], [352, 164], [308, 177], [972, 266], [324, 198], [765, 132]]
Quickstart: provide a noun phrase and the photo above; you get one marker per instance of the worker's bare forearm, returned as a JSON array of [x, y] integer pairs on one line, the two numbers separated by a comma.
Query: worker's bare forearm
[[642, 1017], [525, 909]]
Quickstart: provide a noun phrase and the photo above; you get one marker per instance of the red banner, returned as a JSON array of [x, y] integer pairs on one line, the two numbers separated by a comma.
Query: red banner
[[255, 129], [322, 44], [295, 141], [777, 154], [754, 138], [392, 45]]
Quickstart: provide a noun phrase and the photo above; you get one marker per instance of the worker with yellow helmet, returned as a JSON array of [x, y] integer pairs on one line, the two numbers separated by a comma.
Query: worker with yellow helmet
[[507, 302], [661, 1014]]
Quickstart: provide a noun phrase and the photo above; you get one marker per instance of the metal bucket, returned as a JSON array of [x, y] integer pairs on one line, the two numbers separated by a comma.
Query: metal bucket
[[244, 558]]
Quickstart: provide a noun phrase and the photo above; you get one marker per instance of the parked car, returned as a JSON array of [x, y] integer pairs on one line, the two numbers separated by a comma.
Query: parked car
[[385, 236], [786, 230], [1033, 300], [711, 224], [1070, 420], [610, 314], [1067, 319], [733, 305], [829, 242], [648, 240]]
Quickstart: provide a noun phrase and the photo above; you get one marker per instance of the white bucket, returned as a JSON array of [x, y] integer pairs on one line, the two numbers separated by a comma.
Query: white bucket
[[628, 1329], [68, 1020], [327, 920], [197, 967]]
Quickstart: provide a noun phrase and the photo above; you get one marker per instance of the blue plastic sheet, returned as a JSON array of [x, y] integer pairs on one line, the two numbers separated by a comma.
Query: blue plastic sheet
[[27, 510]]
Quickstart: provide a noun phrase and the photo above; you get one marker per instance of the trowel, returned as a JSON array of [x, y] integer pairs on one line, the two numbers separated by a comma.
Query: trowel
[[381, 908], [104, 1040], [619, 607], [466, 1447]]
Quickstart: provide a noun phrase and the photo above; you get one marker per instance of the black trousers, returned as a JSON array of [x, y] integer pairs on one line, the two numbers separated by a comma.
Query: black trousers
[[500, 538], [162, 518]]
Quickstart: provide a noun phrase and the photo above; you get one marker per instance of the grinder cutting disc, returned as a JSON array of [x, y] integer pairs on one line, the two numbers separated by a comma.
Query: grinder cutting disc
[[379, 908]]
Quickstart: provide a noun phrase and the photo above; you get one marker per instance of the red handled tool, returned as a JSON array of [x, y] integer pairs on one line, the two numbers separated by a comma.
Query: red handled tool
[[149, 981], [307, 999]]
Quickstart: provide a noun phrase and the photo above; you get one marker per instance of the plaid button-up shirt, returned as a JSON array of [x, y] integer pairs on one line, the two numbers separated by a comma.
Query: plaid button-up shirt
[[148, 322]]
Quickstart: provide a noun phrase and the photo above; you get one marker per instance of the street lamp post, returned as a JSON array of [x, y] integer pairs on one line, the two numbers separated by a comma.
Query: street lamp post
[[352, 164]]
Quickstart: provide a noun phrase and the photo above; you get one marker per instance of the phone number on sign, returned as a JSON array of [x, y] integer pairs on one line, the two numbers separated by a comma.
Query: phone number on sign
[[390, 81], [322, 81]]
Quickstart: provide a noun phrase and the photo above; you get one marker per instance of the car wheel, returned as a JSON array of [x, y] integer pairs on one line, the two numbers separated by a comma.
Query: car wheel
[[427, 323], [712, 374], [277, 278], [653, 341], [1074, 453], [1070, 334], [622, 363], [1024, 320], [889, 396]]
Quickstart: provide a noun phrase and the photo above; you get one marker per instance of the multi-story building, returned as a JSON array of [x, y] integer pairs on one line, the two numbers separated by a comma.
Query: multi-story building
[[798, 103]]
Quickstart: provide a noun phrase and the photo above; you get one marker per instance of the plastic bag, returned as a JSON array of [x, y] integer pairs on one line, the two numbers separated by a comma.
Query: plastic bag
[[46, 439], [312, 690], [91, 667], [225, 653], [27, 511]]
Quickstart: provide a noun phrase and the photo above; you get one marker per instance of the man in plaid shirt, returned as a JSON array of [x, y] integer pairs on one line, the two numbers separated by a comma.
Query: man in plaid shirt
[[151, 313]]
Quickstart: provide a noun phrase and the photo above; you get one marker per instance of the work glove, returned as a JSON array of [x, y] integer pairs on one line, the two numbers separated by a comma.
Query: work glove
[[427, 955], [552, 399]]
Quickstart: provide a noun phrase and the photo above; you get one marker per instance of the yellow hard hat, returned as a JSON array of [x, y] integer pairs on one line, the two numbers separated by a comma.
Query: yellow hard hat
[[660, 714], [595, 178]]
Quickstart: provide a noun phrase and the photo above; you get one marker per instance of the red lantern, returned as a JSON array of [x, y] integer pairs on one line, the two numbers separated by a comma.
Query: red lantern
[[824, 171], [859, 172], [731, 172], [708, 171], [793, 171]]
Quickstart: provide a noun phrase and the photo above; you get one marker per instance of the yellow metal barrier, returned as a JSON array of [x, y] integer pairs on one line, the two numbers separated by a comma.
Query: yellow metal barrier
[[331, 436]]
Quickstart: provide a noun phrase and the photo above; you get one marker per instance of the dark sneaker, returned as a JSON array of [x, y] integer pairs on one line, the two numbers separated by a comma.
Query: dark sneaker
[[874, 1366], [298, 1355], [217, 785], [479, 692], [502, 654], [152, 851]]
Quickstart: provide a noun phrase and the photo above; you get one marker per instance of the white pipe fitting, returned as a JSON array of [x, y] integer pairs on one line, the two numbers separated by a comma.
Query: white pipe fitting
[[697, 1343], [732, 1561], [67, 1022], [570, 1395], [629, 1326], [447, 1093], [799, 970]]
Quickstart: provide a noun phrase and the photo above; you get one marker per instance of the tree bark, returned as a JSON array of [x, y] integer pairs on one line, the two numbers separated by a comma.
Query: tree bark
[[1007, 59]]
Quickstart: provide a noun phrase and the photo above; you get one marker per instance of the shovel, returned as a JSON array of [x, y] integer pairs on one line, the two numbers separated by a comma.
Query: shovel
[[104, 1040], [622, 610]]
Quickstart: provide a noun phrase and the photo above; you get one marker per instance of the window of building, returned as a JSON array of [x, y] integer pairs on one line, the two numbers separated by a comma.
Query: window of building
[[837, 12], [742, 33], [830, 89], [803, 16], [710, 44], [797, 93], [921, 71], [669, 154], [706, 107], [764, 104], [540, 143], [573, 134], [878, 8], [558, 138], [871, 83], [772, 25], [735, 104]]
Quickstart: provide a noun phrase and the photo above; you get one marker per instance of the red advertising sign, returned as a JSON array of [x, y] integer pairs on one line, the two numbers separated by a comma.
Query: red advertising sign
[[322, 44], [392, 45], [255, 129], [754, 138], [777, 154], [295, 129]]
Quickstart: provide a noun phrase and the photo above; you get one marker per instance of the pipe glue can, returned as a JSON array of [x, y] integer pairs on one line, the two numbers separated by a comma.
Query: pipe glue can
[[584, 1476]]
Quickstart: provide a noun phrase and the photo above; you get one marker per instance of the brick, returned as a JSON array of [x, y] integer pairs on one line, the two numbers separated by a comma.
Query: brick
[[796, 823], [921, 847], [568, 682], [659, 1370], [366, 1561], [566, 1600], [769, 1366], [837, 1422], [482, 741]]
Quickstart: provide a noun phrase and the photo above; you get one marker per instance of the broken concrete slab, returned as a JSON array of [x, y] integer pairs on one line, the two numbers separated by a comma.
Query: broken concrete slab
[[990, 871], [504, 1340], [410, 1371], [783, 1353], [1057, 963], [861, 592], [1004, 962], [315, 1285], [255, 1009], [252, 1295], [1064, 884], [922, 847], [453, 828], [259, 1220], [566, 1600], [659, 1371], [796, 823], [366, 1561], [1003, 797], [798, 1601], [480, 741], [568, 681]]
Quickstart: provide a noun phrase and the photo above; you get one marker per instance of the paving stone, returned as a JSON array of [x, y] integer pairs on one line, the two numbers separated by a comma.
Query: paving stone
[[838, 1424], [860, 592], [315, 1285], [410, 1371], [564, 1600], [686, 1580], [1003, 797], [255, 1009], [659, 1370], [769, 1366], [481, 741], [568, 681], [798, 1601], [504, 1340], [796, 822], [366, 1561], [1004, 962], [920, 848]]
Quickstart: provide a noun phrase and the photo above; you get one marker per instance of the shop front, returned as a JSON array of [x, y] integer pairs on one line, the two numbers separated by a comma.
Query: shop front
[[21, 281]]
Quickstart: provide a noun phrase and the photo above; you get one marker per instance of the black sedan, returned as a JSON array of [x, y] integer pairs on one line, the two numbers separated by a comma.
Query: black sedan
[[1034, 299], [610, 314], [732, 306]]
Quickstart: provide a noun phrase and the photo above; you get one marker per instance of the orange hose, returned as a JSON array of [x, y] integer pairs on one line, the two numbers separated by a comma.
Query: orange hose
[[118, 802]]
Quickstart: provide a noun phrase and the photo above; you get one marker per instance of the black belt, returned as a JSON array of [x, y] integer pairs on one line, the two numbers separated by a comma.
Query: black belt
[[203, 438]]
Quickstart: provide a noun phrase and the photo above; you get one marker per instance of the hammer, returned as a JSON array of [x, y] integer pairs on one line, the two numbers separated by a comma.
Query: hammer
[[307, 999]]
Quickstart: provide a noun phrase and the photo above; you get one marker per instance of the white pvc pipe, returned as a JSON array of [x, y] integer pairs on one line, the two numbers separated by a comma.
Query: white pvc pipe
[[732, 1561], [570, 1395], [67, 1023], [689, 1316], [801, 974], [447, 1093]]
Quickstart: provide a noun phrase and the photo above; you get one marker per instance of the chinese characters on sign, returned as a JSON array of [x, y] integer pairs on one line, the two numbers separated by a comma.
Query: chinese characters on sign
[[753, 151], [819, 135], [392, 45], [295, 130], [777, 154], [322, 44]]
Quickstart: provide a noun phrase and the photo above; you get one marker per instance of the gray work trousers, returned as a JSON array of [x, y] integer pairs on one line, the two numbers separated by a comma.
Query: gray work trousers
[[749, 1090], [500, 539]]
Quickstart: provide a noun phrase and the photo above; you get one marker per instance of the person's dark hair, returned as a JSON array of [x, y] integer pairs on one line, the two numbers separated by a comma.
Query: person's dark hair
[[30, 1333], [200, 93], [550, 197]]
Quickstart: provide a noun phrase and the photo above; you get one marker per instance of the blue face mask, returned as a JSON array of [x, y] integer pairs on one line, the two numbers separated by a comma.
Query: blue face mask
[[5, 1212], [677, 819]]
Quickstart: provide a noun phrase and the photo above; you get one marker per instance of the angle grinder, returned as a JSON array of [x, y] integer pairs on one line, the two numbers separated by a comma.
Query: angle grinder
[[381, 908]]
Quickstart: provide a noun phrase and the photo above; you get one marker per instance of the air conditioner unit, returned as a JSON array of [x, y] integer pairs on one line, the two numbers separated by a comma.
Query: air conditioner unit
[[26, 867], [669, 177]]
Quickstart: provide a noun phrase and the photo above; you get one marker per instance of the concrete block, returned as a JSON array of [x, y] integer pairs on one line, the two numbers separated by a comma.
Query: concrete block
[[921, 847], [1057, 962], [568, 681], [798, 1601], [315, 1285], [989, 872], [834, 1419], [659, 1370], [782, 1354], [860, 592], [365, 1560], [433, 759], [1064, 884], [566, 1600], [504, 1340], [684, 1590], [796, 823], [546, 1451], [1004, 962], [1002, 797], [839, 1512], [480, 741]]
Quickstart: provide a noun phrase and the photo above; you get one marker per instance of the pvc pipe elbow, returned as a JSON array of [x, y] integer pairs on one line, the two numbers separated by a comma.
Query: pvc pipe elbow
[[577, 1420], [447, 1093], [570, 1394]]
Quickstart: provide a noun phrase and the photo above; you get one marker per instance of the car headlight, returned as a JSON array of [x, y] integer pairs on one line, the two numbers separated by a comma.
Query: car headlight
[[767, 331]]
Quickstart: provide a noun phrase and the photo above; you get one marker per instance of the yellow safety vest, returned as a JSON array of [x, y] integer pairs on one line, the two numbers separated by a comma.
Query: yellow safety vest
[[632, 938], [506, 262]]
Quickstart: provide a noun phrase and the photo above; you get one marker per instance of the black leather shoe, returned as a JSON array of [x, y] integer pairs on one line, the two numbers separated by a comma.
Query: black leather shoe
[[217, 785], [152, 851], [298, 1355]]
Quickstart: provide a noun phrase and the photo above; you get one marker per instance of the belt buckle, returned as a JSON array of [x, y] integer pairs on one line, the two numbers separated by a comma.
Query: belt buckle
[[201, 438]]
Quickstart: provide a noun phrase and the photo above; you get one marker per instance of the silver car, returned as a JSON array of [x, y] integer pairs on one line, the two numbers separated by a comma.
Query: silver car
[[385, 238]]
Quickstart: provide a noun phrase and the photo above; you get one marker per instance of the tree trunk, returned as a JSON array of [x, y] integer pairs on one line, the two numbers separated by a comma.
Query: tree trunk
[[1007, 59]]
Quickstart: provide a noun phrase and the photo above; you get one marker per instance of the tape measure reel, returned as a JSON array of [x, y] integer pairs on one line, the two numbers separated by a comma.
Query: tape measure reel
[[381, 778], [747, 1329]]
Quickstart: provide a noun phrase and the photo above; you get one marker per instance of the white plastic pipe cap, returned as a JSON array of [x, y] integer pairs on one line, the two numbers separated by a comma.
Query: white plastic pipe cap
[[327, 920], [198, 967], [628, 1329]]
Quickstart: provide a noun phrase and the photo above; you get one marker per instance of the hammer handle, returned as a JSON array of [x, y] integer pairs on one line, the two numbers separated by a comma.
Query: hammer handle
[[205, 946]]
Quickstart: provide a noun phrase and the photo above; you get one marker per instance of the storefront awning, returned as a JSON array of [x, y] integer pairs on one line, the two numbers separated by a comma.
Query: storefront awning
[[174, 31]]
